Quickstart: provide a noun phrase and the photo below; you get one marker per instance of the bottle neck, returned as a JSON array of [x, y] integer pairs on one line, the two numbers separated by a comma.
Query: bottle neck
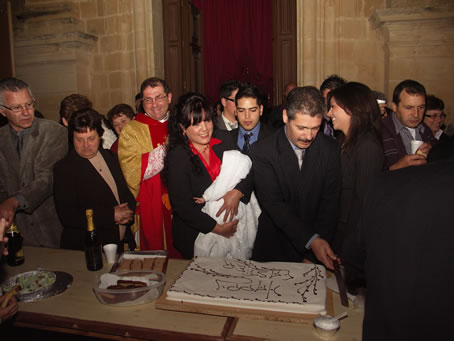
[[12, 229], [90, 225]]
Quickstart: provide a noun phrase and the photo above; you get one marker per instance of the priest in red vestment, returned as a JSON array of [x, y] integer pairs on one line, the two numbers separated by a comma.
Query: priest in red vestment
[[140, 150]]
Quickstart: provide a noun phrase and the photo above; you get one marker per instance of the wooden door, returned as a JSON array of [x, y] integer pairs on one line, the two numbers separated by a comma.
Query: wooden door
[[6, 56], [284, 46], [182, 47]]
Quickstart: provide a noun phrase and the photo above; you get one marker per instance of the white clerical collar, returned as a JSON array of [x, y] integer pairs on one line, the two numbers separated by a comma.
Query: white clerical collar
[[162, 120]]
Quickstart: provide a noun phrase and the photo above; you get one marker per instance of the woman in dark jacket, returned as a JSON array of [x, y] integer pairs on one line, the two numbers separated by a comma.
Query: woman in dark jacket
[[90, 177], [193, 162], [355, 112]]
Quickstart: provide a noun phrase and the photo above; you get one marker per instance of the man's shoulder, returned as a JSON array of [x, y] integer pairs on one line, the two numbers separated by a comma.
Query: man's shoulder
[[272, 142], [388, 126], [219, 123], [45, 124], [4, 129], [134, 128], [265, 130], [49, 132], [327, 142], [223, 134]]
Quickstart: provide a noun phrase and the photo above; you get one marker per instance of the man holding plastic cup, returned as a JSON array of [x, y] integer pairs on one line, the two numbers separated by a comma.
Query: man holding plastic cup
[[405, 126]]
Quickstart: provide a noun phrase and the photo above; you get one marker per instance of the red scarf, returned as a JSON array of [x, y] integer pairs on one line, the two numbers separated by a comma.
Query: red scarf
[[214, 168]]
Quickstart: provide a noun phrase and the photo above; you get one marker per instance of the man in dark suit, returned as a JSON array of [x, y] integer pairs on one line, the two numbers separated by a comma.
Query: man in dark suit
[[405, 124], [296, 174], [405, 246], [227, 120], [249, 110]]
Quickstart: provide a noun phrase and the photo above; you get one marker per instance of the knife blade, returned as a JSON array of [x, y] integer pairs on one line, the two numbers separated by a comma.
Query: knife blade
[[340, 284]]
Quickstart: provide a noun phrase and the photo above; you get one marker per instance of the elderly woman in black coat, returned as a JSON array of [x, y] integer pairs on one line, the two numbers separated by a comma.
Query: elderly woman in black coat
[[90, 177]]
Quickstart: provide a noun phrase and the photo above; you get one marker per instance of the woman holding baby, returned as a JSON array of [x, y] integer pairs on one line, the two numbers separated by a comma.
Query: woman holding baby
[[194, 157]]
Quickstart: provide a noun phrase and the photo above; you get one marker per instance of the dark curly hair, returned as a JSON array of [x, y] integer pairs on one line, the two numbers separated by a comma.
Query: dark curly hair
[[83, 121], [190, 109]]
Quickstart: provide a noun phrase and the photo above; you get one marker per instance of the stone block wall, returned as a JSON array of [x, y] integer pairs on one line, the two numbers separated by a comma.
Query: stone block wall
[[379, 43], [335, 37], [103, 49], [106, 48], [113, 69]]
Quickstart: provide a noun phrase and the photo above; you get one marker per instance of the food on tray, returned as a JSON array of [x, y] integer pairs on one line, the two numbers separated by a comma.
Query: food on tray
[[146, 263], [136, 264], [158, 264], [129, 288], [125, 264], [32, 281], [126, 284]]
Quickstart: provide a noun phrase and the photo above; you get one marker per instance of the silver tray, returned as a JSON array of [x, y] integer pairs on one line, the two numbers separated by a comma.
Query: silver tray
[[63, 281], [24, 297]]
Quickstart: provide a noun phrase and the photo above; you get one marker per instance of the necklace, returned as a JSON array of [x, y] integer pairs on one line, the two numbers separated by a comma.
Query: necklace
[[204, 149]]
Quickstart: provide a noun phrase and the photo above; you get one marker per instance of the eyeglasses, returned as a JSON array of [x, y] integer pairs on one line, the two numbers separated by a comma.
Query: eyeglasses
[[158, 99], [434, 116], [230, 99], [18, 108]]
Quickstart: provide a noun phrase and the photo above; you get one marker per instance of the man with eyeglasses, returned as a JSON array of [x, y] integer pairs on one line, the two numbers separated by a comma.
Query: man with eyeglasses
[[405, 125], [30, 147], [141, 152], [227, 120], [434, 116]]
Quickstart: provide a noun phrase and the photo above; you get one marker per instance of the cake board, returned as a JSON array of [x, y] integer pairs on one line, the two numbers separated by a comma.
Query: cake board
[[256, 314]]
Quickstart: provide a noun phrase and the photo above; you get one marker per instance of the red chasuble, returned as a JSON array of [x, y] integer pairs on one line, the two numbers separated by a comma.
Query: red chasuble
[[153, 198]]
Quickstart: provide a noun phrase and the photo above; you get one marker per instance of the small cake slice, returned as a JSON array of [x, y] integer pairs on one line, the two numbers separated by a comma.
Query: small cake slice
[[158, 263], [136, 264], [148, 263], [125, 265]]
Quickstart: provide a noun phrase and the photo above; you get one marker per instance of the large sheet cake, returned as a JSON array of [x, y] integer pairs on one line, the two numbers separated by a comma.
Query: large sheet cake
[[276, 286]]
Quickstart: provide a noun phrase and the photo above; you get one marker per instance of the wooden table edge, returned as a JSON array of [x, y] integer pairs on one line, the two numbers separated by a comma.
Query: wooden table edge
[[106, 330]]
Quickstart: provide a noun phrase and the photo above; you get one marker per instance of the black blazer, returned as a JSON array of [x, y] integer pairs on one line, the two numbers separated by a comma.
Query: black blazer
[[361, 165], [183, 185], [295, 203], [406, 249], [78, 186], [264, 131]]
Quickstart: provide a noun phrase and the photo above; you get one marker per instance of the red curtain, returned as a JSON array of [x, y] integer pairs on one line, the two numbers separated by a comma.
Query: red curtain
[[237, 43]]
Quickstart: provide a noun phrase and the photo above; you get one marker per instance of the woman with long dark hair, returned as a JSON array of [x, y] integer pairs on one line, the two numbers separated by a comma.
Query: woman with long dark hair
[[355, 112], [193, 161]]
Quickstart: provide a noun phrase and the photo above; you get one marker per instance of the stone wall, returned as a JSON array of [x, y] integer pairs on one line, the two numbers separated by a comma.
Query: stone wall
[[419, 44], [105, 48], [100, 48], [379, 43]]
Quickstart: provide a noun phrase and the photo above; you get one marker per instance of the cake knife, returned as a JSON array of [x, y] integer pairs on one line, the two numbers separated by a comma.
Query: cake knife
[[340, 284]]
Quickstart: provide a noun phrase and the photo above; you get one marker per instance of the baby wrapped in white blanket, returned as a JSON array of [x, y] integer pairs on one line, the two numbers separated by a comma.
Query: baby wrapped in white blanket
[[235, 167]]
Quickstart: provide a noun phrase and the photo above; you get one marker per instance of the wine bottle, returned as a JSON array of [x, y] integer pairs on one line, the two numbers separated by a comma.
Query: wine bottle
[[93, 254], [15, 250]]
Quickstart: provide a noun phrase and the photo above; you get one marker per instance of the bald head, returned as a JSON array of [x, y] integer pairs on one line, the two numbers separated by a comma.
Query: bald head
[[289, 87]]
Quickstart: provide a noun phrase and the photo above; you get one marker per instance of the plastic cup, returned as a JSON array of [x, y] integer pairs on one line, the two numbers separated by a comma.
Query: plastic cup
[[110, 251], [415, 144]]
